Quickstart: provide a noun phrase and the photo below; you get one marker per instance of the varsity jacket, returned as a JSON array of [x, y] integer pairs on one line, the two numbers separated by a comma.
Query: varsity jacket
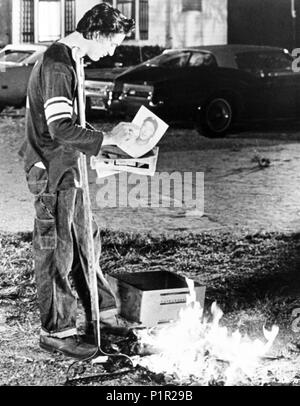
[[52, 134]]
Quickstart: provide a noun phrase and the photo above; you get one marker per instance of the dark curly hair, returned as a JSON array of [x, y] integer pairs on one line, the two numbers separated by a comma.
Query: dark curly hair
[[104, 19]]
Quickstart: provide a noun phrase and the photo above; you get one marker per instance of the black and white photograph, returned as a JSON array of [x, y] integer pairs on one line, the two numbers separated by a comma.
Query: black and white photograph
[[149, 195], [150, 131]]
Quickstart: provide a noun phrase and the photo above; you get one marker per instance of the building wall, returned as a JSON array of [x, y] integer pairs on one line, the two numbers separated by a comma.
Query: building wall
[[82, 6], [169, 25], [271, 25], [215, 17], [5, 22]]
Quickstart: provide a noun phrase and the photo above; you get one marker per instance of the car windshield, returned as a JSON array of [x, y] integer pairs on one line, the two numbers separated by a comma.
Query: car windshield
[[13, 56], [109, 62], [169, 60], [271, 61]]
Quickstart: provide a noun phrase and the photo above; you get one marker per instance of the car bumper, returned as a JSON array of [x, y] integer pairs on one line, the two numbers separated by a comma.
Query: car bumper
[[129, 107], [96, 103], [98, 95]]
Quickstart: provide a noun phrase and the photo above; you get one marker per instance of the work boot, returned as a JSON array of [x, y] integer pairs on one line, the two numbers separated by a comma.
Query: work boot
[[73, 346], [115, 325], [111, 325]]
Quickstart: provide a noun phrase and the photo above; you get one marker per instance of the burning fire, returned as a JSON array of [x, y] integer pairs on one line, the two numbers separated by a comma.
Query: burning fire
[[193, 350]]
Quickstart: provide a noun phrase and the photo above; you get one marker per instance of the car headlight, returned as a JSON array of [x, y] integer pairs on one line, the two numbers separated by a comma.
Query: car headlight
[[98, 88]]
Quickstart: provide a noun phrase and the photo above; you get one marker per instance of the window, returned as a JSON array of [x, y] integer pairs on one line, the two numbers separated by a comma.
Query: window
[[256, 62], [202, 59], [49, 20], [70, 16], [191, 5], [128, 8], [27, 22], [42, 20], [144, 19], [170, 60], [11, 56]]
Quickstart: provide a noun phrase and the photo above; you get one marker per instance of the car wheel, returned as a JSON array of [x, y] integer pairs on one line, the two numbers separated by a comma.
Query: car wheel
[[215, 118]]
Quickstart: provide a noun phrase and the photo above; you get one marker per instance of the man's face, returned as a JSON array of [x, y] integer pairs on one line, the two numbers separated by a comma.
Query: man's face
[[104, 46], [147, 130]]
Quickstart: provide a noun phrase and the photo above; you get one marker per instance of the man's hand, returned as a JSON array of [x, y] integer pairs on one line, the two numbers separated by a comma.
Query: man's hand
[[122, 132]]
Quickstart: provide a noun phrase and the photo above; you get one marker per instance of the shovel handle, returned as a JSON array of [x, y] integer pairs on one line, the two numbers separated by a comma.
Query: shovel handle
[[84, 183]]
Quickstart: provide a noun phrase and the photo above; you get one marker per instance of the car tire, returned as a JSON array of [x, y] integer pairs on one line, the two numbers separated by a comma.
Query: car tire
[[215, 117]]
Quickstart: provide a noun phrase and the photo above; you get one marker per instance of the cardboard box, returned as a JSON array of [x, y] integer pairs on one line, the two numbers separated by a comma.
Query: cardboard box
[[145, 165], [152, 298]]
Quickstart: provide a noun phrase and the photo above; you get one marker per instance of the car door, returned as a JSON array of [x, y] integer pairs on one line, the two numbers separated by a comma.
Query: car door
[[275, 88], [171, 87], [14, 84], [282, 90], [16, 65], [199, 79]]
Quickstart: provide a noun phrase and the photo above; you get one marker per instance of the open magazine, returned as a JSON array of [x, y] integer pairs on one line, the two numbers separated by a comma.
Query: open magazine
[[135, 155]]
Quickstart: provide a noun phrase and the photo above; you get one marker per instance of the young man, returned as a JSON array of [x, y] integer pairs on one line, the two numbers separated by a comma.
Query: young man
[[147, 131], [51, 151]]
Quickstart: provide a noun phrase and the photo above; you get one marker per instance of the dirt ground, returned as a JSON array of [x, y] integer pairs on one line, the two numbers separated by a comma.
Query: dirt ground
[[245, 248], [237, 193]]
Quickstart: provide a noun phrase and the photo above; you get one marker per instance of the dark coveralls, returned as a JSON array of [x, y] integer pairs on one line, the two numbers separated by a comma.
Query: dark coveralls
[[51, 152]]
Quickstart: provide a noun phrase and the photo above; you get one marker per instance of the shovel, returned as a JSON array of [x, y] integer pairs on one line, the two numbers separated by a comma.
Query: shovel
[[99, 356]]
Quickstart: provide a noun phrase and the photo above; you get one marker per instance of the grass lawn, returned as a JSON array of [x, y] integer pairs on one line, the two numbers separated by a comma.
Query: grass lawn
[[254, 278]]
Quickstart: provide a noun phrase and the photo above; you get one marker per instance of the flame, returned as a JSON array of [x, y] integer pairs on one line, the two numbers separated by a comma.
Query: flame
[[195, 350]]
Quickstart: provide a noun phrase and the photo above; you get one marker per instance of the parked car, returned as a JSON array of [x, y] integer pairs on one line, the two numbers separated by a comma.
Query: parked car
[[100, 75], [215, 86], [16, 63], [99, 85]]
